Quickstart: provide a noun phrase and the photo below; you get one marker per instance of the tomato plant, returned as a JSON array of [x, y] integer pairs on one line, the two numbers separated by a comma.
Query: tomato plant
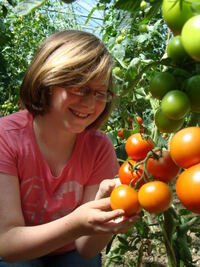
[[188, 188], [137, 147], [165, 124], [191, 38], [127, 174], [161, 83], [185, 147], [163, 168], [175, 105], [155, 196], [192, 89], [126, 198]]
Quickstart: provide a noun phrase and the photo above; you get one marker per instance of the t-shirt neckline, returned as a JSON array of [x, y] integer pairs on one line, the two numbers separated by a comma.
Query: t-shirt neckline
[[40, 157]]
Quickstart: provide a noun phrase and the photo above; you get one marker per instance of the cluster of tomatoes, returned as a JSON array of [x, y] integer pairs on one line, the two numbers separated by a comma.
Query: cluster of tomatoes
[[146, 175], [175, 103], [183, 17], [139, 120], [179, 96], [137, 190]]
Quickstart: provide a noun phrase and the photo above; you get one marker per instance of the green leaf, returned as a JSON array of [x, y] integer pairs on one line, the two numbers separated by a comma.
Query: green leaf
[[123, 240], [121, 152], [98, 7], [28, 6]]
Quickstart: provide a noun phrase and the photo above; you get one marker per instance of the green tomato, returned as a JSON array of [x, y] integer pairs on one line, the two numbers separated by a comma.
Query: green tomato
[[175, 50], [175, 105], [176, 13], [143, 28], [166, 125], [119, 39], [117, 71], [192, 89], [143, 4], [162, 83], [191, 37]]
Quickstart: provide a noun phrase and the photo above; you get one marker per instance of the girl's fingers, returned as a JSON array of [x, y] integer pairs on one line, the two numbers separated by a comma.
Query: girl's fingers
[[106, 216], [105, 189], [102, 204]]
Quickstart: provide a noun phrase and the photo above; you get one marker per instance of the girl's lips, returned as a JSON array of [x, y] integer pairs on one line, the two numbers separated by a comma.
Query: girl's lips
[[79, 114]]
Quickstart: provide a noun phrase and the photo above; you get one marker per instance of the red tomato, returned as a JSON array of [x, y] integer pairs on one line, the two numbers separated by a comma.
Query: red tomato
[[137, 147], [121, 133], [155, 196], [126, 198], [163, 168], [185, 147], [127, 175], [188, 188]]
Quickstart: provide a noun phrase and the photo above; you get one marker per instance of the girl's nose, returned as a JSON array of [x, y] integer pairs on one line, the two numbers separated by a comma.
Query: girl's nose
[[88, 100]]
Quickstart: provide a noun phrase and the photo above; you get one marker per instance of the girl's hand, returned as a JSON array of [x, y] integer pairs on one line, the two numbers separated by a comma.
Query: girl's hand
[[96, 217], [106, 187]]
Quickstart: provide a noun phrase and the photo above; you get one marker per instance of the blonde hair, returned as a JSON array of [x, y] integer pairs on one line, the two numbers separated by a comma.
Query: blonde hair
[[69, 58]]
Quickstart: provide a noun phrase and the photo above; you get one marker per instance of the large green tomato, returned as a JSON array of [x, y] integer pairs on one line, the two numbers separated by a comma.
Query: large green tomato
[[166, 125], [192, 89], [177, 12], [162, 83], [175, 50], [175, 105], [191, 37]]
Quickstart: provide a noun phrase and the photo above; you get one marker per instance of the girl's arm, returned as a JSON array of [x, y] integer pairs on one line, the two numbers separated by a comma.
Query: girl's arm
[[20, 242]]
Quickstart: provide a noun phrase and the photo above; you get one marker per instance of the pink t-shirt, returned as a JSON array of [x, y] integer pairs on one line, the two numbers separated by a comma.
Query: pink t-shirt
[[44, 197]]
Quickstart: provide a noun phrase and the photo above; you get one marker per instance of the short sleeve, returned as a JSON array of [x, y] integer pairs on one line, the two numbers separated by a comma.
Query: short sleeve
[[104, 160], [7, 155]]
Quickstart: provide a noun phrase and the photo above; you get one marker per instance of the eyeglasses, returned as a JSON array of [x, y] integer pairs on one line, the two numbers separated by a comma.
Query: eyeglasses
[[99, 96]]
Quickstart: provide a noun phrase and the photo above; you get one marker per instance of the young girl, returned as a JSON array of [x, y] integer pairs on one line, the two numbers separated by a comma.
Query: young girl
[[56, 167]]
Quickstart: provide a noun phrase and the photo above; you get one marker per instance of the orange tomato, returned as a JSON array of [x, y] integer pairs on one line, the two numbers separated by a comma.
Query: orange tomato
[[188, 188], [126, 198], [137, 147], [127, 175], [185, 147], [155, 196]]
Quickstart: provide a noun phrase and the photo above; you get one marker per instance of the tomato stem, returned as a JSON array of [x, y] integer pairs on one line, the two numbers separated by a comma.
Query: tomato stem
[[145, 175]]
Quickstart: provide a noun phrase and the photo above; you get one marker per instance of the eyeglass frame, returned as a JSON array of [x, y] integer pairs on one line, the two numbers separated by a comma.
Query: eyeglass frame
[[85, 91]]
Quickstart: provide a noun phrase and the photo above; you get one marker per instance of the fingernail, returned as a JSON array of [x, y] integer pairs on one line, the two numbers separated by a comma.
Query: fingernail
[[121, 212]]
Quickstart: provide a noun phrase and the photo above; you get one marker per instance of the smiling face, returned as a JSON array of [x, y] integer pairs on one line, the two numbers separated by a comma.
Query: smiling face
[[69, 60], [75, 113]]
